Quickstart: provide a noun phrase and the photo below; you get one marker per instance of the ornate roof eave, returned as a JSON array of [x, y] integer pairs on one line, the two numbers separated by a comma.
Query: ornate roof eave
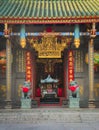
[[49, 20]]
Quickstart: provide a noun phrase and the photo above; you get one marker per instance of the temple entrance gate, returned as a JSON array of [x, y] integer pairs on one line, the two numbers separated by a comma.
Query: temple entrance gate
[[50, 64]]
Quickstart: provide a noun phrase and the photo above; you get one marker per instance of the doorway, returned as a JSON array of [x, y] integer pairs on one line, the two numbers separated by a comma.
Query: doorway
[[50, 70]]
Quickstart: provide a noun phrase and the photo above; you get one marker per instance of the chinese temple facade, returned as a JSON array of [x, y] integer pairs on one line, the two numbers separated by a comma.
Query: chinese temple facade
[[49, 43]]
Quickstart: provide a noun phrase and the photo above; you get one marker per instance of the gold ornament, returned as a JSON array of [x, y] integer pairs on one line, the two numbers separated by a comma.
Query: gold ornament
[[77, 43], [23, 42], [6, 30], [49, 46]]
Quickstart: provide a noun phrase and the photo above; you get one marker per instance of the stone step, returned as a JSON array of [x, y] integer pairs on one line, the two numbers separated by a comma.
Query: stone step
[[48, 115], [87, 117]]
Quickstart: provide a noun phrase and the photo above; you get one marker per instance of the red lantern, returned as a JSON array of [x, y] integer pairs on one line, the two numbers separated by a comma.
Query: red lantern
[[3, 57]]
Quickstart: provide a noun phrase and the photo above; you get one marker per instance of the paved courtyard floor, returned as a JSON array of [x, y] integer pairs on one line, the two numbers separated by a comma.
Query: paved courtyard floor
[[49, 119], [51, 126]]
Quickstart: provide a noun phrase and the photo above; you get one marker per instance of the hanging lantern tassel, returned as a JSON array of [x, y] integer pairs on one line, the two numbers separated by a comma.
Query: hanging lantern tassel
[[77, 36], [22, 36]]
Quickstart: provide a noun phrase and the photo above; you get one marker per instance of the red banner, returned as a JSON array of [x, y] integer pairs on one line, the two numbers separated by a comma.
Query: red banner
[[70, 66], [28, 67]]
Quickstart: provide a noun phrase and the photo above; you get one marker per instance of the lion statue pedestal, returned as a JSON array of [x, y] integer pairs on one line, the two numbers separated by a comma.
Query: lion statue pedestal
[[26, 92], [25, 103], [73, 95]]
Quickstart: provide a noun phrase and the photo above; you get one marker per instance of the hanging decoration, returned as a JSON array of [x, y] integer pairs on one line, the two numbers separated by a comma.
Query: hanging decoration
[[96, 58], [70, 66], [22, 36], [3, 57], [76, 36], [3, 60]]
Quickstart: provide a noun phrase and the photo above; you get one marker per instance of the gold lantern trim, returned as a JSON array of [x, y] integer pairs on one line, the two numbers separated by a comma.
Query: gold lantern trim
[[77, 43], [23, 42], [93, 31], [6, 30], [3, 57]]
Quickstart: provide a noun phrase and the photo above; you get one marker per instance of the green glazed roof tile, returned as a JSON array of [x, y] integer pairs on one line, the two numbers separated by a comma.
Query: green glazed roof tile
[[48, 8]]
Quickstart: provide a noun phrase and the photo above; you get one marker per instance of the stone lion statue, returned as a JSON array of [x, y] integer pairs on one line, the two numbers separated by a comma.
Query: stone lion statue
[[74, 89], [26, 90]]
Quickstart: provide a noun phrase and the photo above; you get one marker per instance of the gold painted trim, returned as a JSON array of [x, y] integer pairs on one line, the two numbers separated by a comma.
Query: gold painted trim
[[23, 42], [49, 47], [77, 42], [44, 21]]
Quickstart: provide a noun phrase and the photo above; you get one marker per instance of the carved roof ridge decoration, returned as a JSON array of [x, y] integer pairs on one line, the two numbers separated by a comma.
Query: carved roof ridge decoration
[[48, 11]]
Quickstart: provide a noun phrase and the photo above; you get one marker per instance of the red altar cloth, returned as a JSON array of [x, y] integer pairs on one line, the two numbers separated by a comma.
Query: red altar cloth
[[38, 92], [59, 92]]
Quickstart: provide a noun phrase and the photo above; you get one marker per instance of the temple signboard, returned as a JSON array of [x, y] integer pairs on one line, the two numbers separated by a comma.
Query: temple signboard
[[49, 54]]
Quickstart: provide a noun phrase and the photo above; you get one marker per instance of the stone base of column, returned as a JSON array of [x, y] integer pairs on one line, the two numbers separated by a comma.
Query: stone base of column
[[8, 104], [91, 104]]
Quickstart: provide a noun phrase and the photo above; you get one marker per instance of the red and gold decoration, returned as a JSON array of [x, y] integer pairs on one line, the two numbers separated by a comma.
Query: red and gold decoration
[[3, 60], [3, 57], [6, 30], [96, 60], [93, 31], [28, 67], [49, 47], [91, 28], [70, 66]]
